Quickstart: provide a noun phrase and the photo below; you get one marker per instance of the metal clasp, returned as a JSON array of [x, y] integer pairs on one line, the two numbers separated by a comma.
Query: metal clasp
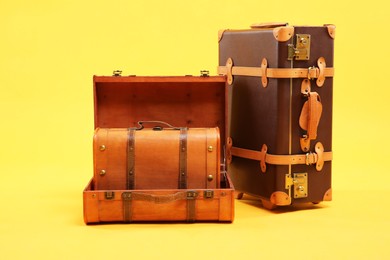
[[208, 194], [310, 158], [309, 71], [117, 73], [192, 195], [301, 51], [204, 73], [300, 183], [109, 195]]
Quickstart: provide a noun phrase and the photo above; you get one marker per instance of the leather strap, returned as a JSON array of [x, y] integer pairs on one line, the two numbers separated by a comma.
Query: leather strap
[[191, 210], [183, 158], [131, 158], [190, 196], [318, 158], [320, 73], [127, 207]]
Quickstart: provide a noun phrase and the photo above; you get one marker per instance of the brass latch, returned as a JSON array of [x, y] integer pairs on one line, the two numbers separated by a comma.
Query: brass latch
[[191, 195], [208, 194], [302, 49], [299, 181], [109, 195], [204, 73], [117, 73]]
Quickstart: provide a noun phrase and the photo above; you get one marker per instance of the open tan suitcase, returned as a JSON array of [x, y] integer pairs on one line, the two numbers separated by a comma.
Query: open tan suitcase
[[280, 81], [197, 104]]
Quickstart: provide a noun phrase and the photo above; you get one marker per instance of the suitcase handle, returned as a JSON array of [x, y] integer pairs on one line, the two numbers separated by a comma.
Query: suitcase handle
[[156, 127], [267, 25], [159, 199], [310, 115]]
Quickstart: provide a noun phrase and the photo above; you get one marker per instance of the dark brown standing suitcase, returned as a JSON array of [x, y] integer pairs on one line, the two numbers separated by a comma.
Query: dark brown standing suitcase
[[190, 102], [280, 81]]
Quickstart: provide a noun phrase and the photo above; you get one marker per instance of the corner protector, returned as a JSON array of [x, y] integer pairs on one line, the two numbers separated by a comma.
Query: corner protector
[[331, 30], [283, 34], [328, 195], [220, 34], [280, 198]]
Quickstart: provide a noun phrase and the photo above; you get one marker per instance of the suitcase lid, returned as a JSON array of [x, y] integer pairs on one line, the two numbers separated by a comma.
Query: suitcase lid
[[182, 101]]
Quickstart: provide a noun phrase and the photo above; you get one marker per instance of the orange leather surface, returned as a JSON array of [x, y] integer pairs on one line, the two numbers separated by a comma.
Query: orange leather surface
[[156, 158]]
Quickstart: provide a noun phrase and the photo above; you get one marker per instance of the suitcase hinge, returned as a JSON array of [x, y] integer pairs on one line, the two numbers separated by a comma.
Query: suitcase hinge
[[302, 49], [299, 181]]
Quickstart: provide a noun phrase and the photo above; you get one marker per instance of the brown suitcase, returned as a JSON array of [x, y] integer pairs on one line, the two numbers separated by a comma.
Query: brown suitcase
[[156, 158], [280, 101], [191, 102]]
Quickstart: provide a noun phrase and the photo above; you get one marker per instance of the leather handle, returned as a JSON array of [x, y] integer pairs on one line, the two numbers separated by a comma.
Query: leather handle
[[267, 25], [310, 115], [159, 199], [158, 126]]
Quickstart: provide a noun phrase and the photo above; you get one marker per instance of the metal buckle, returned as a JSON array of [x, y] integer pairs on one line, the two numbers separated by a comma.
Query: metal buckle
[[310, 158], [309, 70]]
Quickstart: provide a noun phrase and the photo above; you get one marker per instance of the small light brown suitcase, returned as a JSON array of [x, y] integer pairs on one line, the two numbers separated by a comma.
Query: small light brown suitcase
[[162, 157], [280, 81], [190, 102]]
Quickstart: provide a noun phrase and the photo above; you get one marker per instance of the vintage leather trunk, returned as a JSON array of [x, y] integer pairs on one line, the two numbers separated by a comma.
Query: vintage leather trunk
[[280, 81], [182, 157], [196, 108]]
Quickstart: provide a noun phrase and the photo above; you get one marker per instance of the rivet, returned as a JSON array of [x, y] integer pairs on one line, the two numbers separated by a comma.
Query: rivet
[[210, 177], [102, 147], [102, 172], [210, 148]]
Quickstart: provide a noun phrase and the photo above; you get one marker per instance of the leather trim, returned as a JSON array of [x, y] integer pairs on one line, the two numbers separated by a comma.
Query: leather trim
[[229, 66], [280, 198], [220, 34], [267, 25], [127, 206], [321, 66], [264, 65], [183, 159], [331, 30], [319, 148], [283, 34], [328, 195], [320, 73], [130, 159], [318, 157]]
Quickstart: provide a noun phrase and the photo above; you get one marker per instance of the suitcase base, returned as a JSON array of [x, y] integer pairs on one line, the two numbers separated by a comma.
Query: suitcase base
[[164, 205]]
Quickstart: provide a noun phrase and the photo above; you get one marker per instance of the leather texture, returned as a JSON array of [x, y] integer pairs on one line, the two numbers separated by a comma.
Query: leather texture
[[318, 158], [120, 103], [155, 161], [267, 123], [159, 205], [320, 73]]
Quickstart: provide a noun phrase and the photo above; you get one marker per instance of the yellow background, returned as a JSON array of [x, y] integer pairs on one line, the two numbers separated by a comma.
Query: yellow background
[[49, 51]]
